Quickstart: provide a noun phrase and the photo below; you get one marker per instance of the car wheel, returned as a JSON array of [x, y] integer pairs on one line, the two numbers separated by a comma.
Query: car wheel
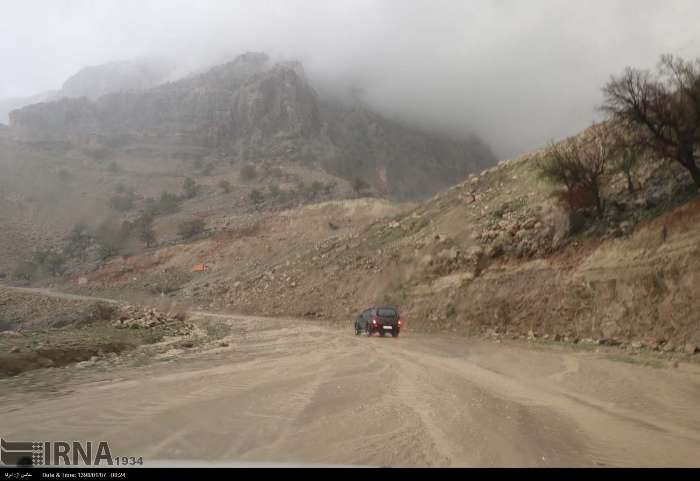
[[395, 333]]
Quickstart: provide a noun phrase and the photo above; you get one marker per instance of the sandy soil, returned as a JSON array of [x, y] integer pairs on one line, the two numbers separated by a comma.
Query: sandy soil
[[287, 391]]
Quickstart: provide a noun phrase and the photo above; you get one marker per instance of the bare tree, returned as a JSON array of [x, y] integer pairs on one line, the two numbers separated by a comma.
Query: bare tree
[[626, 163], [359, 185], [190, 228], [144, 227], [225, 186], [580, 163], [190, 188], [556, 167], [594, 151], [663, 107]]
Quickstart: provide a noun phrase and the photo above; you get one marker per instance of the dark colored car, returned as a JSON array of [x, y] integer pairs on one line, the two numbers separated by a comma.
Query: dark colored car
[[383, 319]]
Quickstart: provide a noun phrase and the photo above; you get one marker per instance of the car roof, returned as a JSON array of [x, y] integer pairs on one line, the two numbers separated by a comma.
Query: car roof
[[374, 308]]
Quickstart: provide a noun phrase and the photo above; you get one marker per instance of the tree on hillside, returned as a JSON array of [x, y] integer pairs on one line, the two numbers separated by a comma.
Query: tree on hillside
[[248, 172], [359, 185], [190, 228], [329, 187], [580, 163], [78, 241], [25, 270], [626, 164], [225, 186], [274, 190], [123, 202], [190, 188], [316, 188], [49, 261], [663, 108], [556, 169], [144, 227], [110, 237], [208, 169], [594, 153], [167, 203], [256, 197]]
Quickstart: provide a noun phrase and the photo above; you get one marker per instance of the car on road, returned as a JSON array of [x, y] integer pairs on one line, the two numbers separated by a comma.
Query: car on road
[[382, 320]]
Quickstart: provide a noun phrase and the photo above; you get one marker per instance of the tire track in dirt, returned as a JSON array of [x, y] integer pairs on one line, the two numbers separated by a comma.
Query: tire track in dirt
[[294, 391], [614, 436]]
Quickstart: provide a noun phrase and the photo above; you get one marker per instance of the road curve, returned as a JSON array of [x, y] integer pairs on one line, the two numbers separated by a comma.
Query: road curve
[[297, 392]]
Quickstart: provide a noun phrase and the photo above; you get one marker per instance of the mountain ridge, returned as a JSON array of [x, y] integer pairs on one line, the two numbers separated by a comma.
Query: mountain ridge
[[255, 109]]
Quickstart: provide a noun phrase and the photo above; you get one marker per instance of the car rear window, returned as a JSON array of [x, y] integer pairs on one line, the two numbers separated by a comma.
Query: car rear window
[[386, 312]]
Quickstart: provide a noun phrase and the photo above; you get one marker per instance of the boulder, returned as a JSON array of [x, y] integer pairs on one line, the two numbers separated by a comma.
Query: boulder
[[626, 227], [529, 223], [45, 362]]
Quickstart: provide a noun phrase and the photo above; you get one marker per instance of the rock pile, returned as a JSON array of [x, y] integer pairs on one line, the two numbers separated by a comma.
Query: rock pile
[[133, 317], [509, 234]]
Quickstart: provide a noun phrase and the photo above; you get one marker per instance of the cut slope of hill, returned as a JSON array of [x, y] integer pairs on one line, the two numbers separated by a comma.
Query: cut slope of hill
[[495, 254]]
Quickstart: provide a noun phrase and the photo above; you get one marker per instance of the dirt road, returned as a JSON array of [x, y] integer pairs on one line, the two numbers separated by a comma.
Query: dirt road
[[61, 295], [292, 392]]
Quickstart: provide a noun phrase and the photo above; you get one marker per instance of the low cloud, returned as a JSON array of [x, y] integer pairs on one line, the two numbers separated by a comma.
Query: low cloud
[[518, 73]]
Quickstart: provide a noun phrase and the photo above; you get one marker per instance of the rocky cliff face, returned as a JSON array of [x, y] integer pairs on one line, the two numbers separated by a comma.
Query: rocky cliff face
[[397, 160], [256, 110], [245, 98]]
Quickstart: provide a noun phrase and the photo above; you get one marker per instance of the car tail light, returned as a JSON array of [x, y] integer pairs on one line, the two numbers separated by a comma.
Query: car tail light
[[399, 321]]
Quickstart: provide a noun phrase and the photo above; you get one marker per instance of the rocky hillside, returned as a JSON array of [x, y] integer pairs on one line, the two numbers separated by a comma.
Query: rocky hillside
[[496, 254], [47, 188], [254, 110]]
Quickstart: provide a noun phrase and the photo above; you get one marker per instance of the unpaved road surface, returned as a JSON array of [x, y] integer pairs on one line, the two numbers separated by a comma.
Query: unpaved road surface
[[61, 295], [293, 392]]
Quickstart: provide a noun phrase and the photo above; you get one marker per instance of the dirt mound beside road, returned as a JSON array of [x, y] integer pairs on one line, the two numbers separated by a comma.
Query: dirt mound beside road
[[88, 331]]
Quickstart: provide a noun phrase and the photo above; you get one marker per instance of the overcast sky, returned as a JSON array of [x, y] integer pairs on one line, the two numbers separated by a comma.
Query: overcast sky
[[519, 73]]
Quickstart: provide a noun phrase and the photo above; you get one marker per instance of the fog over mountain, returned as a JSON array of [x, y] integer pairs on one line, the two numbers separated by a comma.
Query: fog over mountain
[[516, 73]]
